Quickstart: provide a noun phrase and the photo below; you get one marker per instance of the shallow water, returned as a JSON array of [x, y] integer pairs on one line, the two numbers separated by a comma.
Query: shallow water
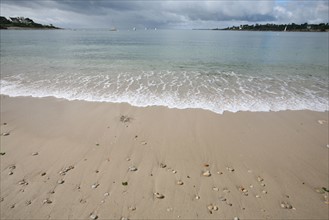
[[214, 70]]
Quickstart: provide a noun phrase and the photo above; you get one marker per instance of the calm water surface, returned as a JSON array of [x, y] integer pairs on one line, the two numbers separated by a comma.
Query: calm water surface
[[214, 70]]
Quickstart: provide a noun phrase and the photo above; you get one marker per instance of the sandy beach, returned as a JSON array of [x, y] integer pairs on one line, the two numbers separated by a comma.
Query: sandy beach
[[86, 160]]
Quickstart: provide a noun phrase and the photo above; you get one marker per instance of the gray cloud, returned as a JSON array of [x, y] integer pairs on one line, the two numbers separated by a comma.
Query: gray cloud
[[165, 14]]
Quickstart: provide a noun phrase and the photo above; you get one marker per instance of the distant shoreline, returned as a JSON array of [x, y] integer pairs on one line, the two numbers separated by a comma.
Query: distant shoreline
[[322, 27], [29, 28], [21, 23]]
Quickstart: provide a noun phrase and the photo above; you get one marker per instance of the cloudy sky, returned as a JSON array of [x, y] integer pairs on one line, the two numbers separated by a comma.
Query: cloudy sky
[[183, 14]]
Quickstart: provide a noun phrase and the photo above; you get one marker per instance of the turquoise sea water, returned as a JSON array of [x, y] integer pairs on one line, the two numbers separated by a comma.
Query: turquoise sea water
[[214, 70]]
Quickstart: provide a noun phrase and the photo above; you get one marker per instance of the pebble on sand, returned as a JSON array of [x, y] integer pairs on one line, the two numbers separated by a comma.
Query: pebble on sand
[[162, 165], [5, 134], [260, 179], [321, 122], [159, 195], [60, 181], [206, 173], [48, 201], [93, 216], [35, 153], [94, 186], [132, 208], [23, 182], [132, 168], [222, 198], [179, 182], [286, 205]]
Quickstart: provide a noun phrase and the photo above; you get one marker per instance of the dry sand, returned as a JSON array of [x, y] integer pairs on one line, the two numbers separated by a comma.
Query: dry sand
[[68, 159]]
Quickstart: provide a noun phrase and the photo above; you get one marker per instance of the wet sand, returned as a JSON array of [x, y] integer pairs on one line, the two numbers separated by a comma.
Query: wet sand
[[81, 160]]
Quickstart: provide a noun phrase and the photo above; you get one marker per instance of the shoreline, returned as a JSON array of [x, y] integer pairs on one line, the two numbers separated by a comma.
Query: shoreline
[[162, 106], [258, 161]]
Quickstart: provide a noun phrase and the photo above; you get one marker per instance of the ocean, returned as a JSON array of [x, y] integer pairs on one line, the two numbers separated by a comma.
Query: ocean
[[213, 70]]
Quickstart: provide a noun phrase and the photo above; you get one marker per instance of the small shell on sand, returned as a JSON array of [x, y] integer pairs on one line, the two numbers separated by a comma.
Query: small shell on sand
[[197, 197], [95, 185], [206, 173], [257, 196], [93, 216], [179, 182], [174, 171], [264, 191], [226, 190], [215, 189], [206, 165], [12, 167], [28, 202], [235, 218], [5, 134], [162, 165], [159, 195], [35, 153], [106, 194], [10, 173], [128, 159], [60, 181], [43, 173], [230, 169], [263, 184], [215, 208], [132, 168]]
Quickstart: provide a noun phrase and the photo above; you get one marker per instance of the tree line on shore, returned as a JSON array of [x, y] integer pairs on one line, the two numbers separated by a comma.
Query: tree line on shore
[[322, 27], [21, 22]]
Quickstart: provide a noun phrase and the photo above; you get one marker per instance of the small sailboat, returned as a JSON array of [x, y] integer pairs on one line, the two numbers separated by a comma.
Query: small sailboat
[[113, 29], [134, 29], [285, 29]]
